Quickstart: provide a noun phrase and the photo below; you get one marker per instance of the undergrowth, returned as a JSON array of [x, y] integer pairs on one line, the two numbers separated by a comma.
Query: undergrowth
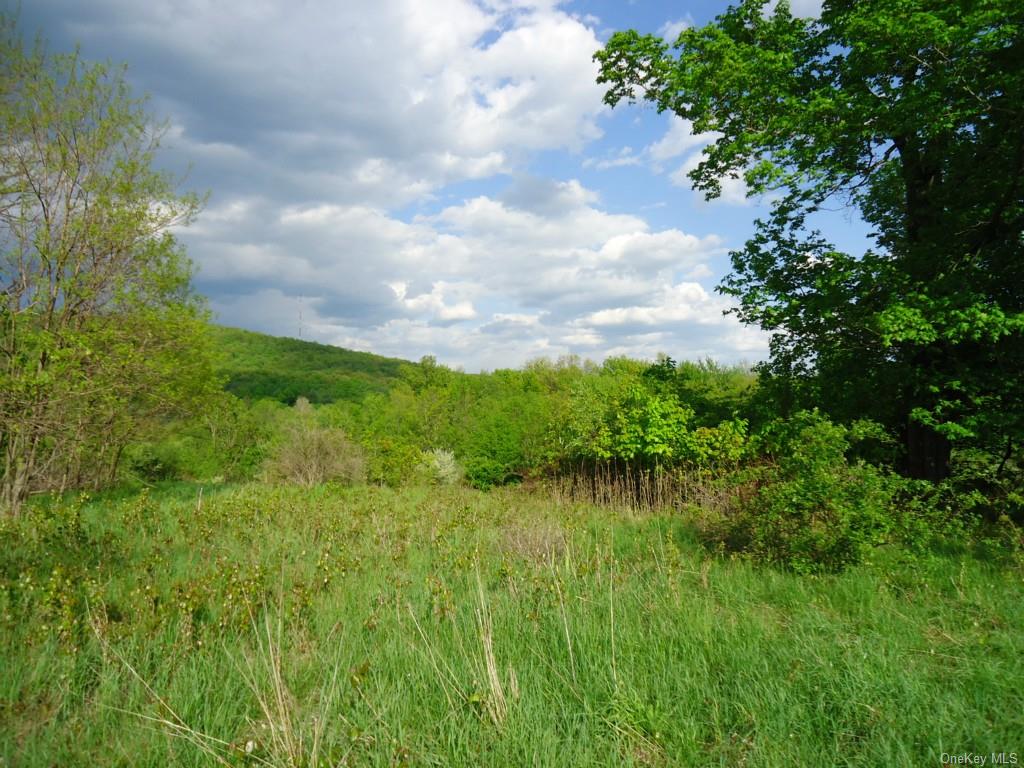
[[344, 626]]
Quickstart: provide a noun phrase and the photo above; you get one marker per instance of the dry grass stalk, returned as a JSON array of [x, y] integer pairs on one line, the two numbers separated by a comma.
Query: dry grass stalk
[[497, 702], [292, 741]]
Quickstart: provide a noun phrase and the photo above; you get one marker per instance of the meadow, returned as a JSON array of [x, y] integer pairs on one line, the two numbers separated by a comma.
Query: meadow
[[346, 626], [219, 547]]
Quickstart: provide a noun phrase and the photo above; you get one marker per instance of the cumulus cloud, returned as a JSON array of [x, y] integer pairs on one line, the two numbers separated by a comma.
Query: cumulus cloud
[[678, 140], [538, 269], [339, 140], [370, 101], [671, 29], [546, 197], [681, 303], [733, 190], [437, 304], [624, 157]]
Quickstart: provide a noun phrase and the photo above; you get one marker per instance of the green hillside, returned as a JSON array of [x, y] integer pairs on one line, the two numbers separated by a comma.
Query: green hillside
[[258, 365]]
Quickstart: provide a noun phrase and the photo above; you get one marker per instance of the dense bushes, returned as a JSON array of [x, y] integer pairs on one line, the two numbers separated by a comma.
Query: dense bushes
[[806, 499], [802, 504], [801, 492], [229, 441]]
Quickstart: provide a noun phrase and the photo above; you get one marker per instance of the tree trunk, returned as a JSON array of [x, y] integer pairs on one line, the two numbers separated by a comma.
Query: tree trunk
[[115, 464], [928, 453]]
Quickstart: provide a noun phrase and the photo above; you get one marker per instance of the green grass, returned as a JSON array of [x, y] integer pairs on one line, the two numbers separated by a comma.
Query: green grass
[[450, 627], [257, 365]]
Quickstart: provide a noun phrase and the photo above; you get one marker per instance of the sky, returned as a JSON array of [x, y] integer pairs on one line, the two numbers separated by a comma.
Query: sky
[[413, 177]]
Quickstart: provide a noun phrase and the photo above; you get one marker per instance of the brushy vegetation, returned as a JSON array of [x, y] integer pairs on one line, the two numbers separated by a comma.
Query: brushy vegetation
[[810, 507], [309, 454], [254, 625], [803, 491]]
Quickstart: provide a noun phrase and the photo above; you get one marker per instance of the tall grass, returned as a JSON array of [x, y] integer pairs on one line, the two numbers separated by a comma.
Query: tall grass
[[365, 626]]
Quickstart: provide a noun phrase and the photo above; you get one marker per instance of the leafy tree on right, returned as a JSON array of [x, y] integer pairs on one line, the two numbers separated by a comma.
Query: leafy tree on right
[[912, 111]]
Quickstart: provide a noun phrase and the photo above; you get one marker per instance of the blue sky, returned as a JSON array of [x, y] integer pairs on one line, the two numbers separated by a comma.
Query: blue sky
[[442, 178]]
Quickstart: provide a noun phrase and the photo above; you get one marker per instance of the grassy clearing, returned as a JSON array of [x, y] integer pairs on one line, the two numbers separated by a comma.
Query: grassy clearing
[[255, 626]]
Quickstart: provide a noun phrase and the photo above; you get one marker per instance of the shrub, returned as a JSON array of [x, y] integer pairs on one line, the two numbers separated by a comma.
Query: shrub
[[805, 506], [483, 472], [393, 462], [928, 520], [310, 454], [442, 467], [716, 447], [151, 462]]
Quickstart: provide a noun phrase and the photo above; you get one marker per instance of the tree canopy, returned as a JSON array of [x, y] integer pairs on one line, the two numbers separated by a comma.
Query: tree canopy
[[913, 113], [100, 332]]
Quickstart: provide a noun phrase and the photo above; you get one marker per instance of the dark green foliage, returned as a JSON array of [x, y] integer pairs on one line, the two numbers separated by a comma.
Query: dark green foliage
[[316, 386], [261, 366], [803, 505], [991, 489], [484, 472], [980, 495], [913, 113], [714, 392], [229, 441], [500, 425]]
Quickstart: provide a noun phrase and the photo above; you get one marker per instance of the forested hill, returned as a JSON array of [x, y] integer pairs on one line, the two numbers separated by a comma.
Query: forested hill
[[258, 365]]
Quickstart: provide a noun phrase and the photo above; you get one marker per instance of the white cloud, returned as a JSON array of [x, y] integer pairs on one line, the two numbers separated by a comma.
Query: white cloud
[[733, 190], [378, 101], [323, 127], [435, 305], [546, 197], [683, 302], [483, 283], [624, 157], [671, 29], [647, 251], [804, 8], [678, 140]]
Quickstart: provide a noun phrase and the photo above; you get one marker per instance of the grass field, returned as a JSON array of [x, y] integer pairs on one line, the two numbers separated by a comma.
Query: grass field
[[272, 626]]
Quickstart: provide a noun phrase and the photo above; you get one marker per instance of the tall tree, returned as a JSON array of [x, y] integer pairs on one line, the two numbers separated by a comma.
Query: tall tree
[[912, 111], [99, 329]]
